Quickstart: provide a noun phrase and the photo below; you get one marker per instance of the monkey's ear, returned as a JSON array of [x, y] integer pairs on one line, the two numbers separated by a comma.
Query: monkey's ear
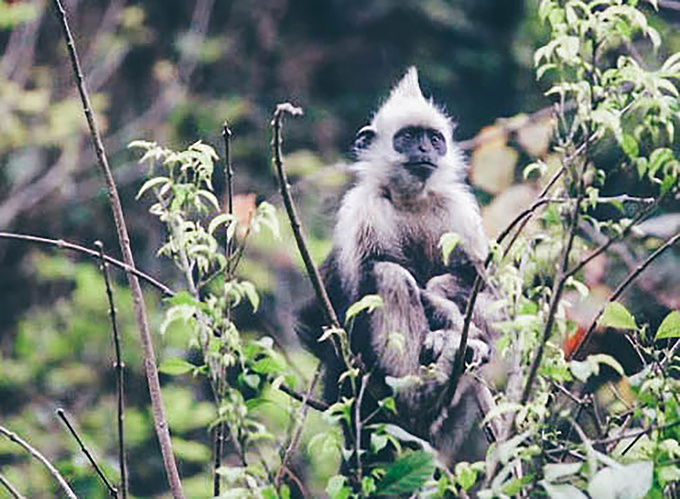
[[364, 139]]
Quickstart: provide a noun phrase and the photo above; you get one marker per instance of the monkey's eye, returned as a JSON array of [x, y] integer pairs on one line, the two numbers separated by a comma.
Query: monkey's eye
[[435, 137]]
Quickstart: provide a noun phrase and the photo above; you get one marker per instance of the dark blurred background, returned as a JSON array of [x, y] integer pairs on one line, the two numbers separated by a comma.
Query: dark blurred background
[[173, 71]]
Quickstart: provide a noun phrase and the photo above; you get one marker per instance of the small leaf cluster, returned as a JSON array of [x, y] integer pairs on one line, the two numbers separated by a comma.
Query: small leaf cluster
[[203, 242]]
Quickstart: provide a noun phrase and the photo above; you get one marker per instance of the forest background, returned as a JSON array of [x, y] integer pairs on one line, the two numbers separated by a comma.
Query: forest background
[[173, 72]]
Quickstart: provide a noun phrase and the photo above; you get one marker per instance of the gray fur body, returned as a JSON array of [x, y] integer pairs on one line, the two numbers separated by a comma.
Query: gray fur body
[[386, 242]]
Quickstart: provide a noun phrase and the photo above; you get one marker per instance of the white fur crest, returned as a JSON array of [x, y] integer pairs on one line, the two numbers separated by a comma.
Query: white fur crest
[[406, 104]]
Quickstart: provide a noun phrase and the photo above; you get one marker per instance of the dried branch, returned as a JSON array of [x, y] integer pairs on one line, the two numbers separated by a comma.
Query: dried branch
[[10, 488], [120, 389], [312, 270], [62, 415], [357, 423], [284, 187], [31, 450], [60, 243], [160, 422]]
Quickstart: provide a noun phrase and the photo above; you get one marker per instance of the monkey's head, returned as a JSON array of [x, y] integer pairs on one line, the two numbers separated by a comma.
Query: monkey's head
[[408, 148]]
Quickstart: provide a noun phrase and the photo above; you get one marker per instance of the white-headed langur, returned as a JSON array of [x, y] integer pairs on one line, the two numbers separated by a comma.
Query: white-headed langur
[[410, 190]]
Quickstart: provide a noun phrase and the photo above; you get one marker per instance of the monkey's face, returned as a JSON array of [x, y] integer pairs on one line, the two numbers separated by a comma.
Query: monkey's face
[[407, 151], [422, 149]]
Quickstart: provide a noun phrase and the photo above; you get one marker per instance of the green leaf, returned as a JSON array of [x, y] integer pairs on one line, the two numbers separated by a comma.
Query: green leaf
[[154, 182], [175, 366], [251, 293], [210, 197], [630, 146], [448, 242], [378, 442], [466, 475], [188, 450], [268, 365], [368, 303], [407, 474], [336, 488], [142, 144], [265, 215], [658, 158], [617, 316], [252, 380], [622, 482], [670, 327], [223, 218]]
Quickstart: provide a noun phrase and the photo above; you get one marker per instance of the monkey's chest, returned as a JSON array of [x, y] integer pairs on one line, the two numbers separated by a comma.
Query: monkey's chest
[[424, 259]]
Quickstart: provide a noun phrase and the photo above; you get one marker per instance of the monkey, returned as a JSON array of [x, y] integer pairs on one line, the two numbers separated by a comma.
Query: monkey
[[410, 190]]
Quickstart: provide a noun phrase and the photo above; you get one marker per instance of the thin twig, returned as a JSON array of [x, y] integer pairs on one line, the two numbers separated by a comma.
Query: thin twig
[[60, 243], [120, 389], [228, 176], [112, 490], [604, 247], [311, 402], [637, 433], [31, 450], [228, 270], [160, 421], [312, 271], [560, 280], [297, 431], [10, 488]]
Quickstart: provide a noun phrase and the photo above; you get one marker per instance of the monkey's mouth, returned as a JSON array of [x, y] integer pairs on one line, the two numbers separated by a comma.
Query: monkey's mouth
[[421, 169]]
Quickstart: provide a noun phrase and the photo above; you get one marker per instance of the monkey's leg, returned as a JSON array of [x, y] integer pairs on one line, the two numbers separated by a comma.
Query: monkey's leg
[[399, 327]]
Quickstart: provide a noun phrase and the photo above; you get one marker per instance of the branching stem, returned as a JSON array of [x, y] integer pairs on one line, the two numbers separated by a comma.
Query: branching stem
[[160, 422], [60, 243], [62, 415], [31, 450]]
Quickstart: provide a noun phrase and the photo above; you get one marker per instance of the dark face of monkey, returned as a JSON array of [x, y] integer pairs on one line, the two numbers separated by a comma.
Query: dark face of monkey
[[422, 147]]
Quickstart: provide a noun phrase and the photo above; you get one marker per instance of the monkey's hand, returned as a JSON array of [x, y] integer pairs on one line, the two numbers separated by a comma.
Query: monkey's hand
[[440, 347]]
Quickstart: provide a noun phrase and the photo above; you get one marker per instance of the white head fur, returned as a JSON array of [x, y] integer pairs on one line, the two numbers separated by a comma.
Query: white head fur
[[406, 105]]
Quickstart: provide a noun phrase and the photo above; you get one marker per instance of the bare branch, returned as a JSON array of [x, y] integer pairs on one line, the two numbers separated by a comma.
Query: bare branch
[[31, 450], [160, 422], [60, 243], [284, 187], [297, 432], [10, 488], [62, 415], [120, 389]]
